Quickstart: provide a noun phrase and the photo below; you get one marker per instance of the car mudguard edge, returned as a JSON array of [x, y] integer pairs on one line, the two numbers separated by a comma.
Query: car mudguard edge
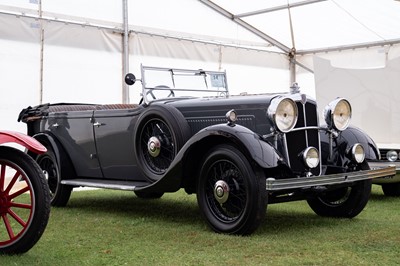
[[63, 160], [263, 153], [345, 140]]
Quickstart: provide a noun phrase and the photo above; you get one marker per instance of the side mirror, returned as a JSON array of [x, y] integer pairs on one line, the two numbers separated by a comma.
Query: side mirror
[[130, 79]]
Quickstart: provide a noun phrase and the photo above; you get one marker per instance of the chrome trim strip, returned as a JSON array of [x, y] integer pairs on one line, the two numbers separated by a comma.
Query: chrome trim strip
[[387, 180], [382, 164], [342, 178], [83, 183], [305, 128]]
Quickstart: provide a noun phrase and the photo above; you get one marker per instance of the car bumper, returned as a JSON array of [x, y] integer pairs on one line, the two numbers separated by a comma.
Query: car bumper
[[386, 179], [326, 180]]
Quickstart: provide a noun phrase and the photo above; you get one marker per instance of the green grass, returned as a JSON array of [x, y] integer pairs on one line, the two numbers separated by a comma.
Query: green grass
[[104, 227]]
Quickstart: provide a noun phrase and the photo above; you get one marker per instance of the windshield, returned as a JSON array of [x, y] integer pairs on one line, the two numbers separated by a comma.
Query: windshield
[[168, 82]]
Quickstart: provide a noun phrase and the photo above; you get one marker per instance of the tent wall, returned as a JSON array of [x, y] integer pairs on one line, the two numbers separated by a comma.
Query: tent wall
[[66, 51], [248, 71], [83, 63], [373, 94], [361, 58], [19, 69]]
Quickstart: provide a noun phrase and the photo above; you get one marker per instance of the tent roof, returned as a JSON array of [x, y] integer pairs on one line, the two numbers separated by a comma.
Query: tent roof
[[316, 25], [284, 26]]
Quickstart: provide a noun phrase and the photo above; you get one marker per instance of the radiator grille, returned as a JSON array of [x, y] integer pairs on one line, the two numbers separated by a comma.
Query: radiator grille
[[307, 135]]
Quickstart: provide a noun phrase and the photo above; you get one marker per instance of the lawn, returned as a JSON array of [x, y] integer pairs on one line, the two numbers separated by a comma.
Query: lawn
[[105, 227]]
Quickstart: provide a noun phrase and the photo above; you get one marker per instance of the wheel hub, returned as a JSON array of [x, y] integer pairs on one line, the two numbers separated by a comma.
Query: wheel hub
[[221, 191], [46, 174], [154, 146]]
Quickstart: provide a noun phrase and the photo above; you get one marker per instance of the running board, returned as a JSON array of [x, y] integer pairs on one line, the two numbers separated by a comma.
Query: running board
[[109, 184]]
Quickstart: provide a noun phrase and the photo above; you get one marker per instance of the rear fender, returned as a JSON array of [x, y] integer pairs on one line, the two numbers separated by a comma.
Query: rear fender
[[63, 161], [26, 141]]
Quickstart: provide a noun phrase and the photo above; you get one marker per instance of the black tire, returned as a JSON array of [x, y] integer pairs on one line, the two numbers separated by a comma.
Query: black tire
[[59, 193], [231, 194], [148, 195], [346, 202], [391, 189], [24, 202], [160, 133]]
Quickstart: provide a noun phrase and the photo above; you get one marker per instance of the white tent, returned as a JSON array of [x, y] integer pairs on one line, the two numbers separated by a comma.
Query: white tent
[[79, 51]]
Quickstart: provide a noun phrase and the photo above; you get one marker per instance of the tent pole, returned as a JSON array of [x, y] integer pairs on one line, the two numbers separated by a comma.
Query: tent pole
[[41, 53], [292, 66], [125, 67]]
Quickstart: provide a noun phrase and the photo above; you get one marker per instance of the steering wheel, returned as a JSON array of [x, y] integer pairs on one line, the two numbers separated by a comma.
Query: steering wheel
[[161, 87]]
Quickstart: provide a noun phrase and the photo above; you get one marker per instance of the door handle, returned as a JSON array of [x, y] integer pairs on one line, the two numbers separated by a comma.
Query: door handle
[[98, 124]]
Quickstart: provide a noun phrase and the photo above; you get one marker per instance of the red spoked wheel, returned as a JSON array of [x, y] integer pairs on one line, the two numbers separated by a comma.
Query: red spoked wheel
[[24, 201]]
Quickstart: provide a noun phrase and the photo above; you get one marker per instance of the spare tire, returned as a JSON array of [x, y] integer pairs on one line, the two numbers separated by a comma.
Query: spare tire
[[160, 133]]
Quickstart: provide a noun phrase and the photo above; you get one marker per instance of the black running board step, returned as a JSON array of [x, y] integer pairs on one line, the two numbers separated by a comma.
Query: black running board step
[[109, 184]]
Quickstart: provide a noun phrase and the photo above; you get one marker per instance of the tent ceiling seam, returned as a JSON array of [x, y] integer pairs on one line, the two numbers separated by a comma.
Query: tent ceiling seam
[[204, 42], [246, 25], [277, 8], [358, 21], [349, 47]]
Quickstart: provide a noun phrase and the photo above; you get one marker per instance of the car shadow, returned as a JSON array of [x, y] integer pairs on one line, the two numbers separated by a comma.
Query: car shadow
[[124, 204], [184, 210]]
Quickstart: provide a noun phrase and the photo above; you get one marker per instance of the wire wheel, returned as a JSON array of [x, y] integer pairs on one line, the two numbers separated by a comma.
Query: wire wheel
[[51, 173], [161, 131], [231, 193], [157, 145], [24, 201], [225, 191], [345, 202], [59, 193], [337, 197]]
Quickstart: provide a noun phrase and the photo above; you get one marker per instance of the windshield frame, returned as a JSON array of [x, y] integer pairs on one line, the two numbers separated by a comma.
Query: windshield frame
[[215, 82]]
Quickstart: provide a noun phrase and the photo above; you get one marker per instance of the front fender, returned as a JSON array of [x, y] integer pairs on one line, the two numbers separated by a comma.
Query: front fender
[[188, 159], [28, 142], [345, 140], [262, 152]]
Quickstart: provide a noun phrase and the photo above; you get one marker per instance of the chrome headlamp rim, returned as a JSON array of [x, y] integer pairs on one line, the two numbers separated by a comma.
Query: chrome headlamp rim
[[311, 157], [281, 111], [392, 156], [336, 116], [358, 153]]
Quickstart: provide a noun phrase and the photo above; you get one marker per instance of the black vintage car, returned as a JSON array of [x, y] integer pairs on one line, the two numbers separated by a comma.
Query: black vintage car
[[237, 153]]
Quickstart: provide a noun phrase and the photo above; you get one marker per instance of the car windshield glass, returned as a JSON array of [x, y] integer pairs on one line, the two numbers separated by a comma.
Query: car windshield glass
[[167, 82]]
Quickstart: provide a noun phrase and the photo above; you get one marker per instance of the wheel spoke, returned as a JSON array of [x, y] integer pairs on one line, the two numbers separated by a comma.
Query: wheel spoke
[[17, 218], [2, 176], [8, 226], [12, 182], [19, 192], [21, 205]]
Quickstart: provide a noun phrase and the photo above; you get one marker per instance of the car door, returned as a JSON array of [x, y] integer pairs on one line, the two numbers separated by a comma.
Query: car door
[[75, 132], [114, 136]]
